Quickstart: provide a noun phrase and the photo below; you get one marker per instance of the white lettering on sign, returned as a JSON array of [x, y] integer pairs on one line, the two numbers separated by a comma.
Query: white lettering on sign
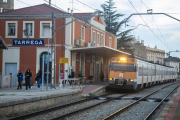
[[19, 42], [23, 42], [27, 42], [30, 42], [36, 42], [40, 43], [120, 74], [15, 41]]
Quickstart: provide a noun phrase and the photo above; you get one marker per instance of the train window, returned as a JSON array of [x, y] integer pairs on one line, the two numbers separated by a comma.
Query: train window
[[123, 67]]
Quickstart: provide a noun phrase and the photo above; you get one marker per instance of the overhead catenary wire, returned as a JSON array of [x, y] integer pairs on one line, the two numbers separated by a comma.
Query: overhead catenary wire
[[156, 24], [147, 25]]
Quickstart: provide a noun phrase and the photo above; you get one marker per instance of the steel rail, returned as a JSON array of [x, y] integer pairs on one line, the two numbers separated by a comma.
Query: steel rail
[[74, 112], [130, 105], [52, 109], [155, 108]]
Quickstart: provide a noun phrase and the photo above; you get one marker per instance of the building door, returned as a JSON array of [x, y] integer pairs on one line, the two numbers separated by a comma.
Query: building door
[[45, 67], [12, 68], [97, 72]]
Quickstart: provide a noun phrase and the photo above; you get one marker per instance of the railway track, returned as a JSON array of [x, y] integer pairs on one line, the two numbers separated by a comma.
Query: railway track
[[111, 116], [72, 113], [54, 108], [160, 103]]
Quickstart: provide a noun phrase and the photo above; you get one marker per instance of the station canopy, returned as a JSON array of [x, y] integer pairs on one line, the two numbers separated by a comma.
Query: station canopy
[[3, 45], [101, 51]]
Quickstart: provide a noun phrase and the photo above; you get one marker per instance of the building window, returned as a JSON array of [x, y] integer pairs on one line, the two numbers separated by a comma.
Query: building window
[[98, 39], [11, 29], [29, 26], [101, 40], [4, 1], [93, 36], [149, 58], [110, 42], [45, 29], [83, 33]]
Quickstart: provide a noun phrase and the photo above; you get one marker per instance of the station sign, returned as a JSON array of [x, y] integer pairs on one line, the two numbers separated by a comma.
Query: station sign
[[47, 58], [28, 42], [63, 60]]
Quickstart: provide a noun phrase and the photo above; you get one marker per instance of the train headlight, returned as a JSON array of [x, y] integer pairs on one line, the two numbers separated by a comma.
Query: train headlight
[[131, 80], [110, 78]]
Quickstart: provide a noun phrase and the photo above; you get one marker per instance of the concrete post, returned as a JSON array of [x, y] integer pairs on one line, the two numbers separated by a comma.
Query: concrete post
[[11, 79]]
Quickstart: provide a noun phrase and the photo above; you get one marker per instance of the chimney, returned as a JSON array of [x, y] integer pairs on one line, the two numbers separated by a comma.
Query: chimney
[[155, 46], [1, 10], [68, 10], [50, 2], [71, 12]]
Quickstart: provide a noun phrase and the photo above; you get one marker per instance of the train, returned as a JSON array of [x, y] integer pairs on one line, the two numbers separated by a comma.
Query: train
[[134, 73]]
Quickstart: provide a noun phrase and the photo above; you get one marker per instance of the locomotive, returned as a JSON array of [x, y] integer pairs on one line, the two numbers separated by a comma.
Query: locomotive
[[135, 73]]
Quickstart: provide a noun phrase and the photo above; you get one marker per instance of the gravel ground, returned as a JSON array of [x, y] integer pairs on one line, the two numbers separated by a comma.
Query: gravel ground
[[158, 111], [137, 112], [101, 111], [66, 110]]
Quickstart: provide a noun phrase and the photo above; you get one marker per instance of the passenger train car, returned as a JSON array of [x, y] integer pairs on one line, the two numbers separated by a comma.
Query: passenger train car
[[134, 73]]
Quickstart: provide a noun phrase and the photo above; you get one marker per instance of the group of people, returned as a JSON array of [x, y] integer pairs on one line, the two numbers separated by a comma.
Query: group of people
[[28, 76], [38, 78], [72, 75]]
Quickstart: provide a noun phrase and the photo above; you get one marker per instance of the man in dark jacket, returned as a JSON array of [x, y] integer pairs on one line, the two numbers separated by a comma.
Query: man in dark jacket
[[72, 76], [20, 79], [28, 75]]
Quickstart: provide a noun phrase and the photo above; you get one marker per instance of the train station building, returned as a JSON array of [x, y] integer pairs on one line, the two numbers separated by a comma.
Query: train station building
[[88, 48]]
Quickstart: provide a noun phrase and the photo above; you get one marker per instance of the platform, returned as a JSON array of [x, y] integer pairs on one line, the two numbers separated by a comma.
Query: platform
[[94, 88], [172, 109], [13, 101]]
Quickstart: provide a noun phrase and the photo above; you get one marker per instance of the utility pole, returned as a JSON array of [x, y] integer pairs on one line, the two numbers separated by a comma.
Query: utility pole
[[53, 51]]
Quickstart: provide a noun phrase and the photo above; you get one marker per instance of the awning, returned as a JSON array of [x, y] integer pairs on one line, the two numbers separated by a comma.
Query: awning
[[3, 44], [101, 51]]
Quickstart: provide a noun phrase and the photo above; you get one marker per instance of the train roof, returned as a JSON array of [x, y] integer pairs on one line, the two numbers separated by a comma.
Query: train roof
[[142, 59]]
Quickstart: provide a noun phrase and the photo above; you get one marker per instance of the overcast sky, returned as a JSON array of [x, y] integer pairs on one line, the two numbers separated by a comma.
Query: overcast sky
[[168, 30]]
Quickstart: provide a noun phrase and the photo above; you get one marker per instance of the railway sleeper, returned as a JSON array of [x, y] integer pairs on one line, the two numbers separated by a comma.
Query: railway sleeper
[[129, 98]]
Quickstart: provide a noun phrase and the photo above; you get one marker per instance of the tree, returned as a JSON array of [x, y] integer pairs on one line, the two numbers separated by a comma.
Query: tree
[[111, 19], [123, 41]]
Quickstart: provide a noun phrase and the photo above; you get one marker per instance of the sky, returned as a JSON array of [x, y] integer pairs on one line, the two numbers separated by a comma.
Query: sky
[[163, 31]]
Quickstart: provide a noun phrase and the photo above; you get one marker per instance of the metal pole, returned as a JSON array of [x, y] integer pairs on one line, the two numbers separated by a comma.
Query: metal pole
[[55, 51], [42, 72], [47, 68], [59, 75]]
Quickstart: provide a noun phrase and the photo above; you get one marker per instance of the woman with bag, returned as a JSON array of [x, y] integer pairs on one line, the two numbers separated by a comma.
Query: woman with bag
[[38, 78], [28, 75], [20, 79]]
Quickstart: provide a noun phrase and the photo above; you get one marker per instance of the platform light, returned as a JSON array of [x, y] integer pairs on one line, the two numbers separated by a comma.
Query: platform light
[[110, 78]]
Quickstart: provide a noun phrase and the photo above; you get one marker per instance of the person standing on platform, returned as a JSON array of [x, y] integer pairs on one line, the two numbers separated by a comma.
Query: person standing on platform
[[38, 78], [28, 75], [72, 76], [66, 76], [102, 76], [20, 79], [61, 77]]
